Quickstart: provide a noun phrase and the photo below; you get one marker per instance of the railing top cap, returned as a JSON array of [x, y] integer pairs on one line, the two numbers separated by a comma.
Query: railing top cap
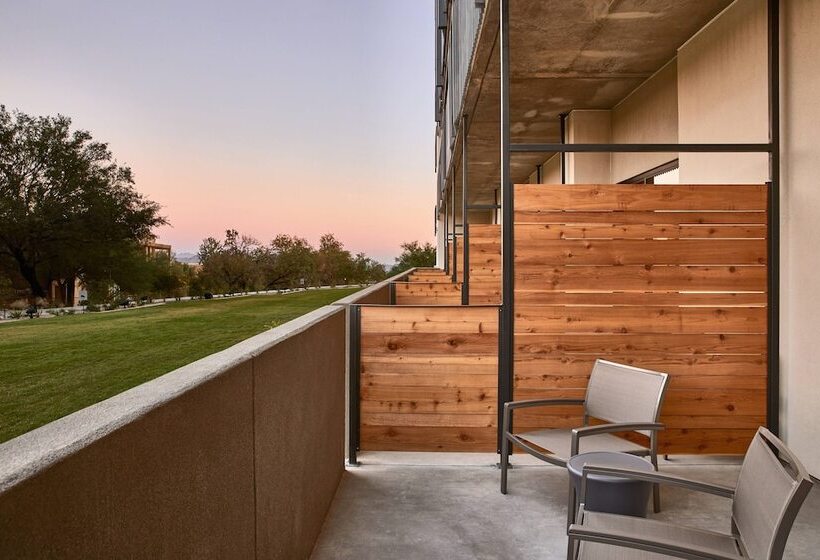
[[355, 298]]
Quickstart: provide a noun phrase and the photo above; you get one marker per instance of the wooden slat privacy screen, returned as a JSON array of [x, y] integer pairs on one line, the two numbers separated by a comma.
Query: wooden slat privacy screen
[[671, 278], [429, 378], [485, 264], [667, 277]]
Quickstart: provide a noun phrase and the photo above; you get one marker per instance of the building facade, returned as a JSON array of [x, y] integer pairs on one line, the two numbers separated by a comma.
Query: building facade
[[655, 94]]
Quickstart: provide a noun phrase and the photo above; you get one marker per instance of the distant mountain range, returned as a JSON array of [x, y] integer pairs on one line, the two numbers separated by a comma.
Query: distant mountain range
[[188, 258]]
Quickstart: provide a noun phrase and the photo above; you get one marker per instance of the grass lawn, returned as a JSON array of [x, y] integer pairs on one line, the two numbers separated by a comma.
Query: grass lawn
[[52, 367]]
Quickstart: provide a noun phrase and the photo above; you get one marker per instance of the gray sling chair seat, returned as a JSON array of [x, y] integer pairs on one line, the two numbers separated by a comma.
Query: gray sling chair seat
[[770, 490], [626, 397]]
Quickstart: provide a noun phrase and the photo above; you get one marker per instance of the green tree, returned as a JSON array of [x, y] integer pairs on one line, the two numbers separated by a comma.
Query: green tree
[[334, 263], [231, 265], [170, 278], [288, 262], [414, 254], [367, 270], [8, 294], [66, 207]]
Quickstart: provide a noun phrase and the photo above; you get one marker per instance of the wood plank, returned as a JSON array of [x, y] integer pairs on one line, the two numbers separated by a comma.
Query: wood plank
[[642, 277], [539, 216], [427, 286], [580, 365], [429, 344], [712, 299], [702, 421], [435, 419], [706, 441], [715, 402], [640, 197], [639, 320], [441, 379], [430, 365], [453, 299], [462, 400], [533, 419], [677, 402], [614, 344], [702, 382], [420, 438], [642, 251], [483, 299], [542, 232], [392, 319]]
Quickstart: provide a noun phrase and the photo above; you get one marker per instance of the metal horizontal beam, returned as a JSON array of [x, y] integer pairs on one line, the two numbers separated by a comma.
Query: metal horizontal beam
[[634, 148], [483, 206]]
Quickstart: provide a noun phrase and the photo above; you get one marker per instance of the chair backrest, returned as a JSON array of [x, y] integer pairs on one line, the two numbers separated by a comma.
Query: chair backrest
[[620, 393], [770, 490]]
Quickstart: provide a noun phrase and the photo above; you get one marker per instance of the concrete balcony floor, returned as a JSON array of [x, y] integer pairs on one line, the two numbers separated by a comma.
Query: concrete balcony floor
[[448, 506]]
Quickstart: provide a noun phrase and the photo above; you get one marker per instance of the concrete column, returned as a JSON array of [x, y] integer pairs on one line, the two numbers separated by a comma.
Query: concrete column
[[800, 230]]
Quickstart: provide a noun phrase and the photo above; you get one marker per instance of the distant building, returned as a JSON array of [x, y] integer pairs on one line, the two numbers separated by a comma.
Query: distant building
[[67, 293], [153, 249]]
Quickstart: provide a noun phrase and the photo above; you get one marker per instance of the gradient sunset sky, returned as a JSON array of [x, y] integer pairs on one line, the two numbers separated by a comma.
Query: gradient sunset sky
[[269, 117]]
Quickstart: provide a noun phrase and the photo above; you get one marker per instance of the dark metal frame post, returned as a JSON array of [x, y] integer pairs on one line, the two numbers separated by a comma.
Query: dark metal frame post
[[446, 234], [354, 324], [563, 122], [465, 223], [506, 333], [773, 237], [455, 235], [501, 384]]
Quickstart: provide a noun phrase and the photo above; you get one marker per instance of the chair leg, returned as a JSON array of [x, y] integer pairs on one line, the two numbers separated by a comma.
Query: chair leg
[[572, 504], [505, 461], [656, 488]]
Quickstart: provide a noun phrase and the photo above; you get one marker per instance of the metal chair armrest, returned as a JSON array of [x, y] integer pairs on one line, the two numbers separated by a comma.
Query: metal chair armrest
[[658, 478], [513, 405], [578, 433], [657, 545]]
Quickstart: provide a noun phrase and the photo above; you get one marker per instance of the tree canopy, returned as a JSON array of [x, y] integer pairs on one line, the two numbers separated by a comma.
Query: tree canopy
[[240, 263], [67, 208], [414, 254]]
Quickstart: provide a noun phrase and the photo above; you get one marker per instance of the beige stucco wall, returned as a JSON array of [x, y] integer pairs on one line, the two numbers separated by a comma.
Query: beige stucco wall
[[722, 95], [648, 115], [588, 127], [800, 201], [237, 455], [441, 244], [550, 172]]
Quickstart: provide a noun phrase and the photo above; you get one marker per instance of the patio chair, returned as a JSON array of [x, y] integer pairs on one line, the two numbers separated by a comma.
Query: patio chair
[[770, 490], [627, 398]]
